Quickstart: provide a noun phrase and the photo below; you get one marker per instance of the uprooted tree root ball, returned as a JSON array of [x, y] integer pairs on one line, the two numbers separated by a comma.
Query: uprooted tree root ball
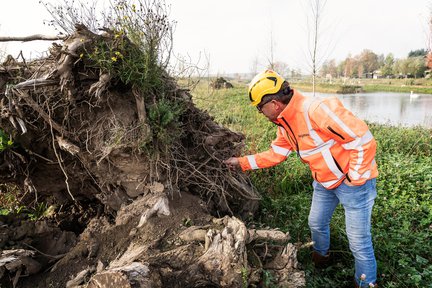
[[134, 175]]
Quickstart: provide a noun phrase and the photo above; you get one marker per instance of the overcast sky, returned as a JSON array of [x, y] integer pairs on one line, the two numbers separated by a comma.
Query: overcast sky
[[236, 33]]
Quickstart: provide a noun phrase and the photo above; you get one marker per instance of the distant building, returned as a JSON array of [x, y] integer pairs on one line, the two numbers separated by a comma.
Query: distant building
[[377, 74]]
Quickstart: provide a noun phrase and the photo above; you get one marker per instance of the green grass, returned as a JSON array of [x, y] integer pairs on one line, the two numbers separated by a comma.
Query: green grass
[[402, 216], [10, 204]]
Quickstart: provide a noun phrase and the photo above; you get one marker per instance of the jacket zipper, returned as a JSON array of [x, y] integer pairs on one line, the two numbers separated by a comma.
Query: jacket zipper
[[334, 132], [340, 169], [294, 140], [337, 164]]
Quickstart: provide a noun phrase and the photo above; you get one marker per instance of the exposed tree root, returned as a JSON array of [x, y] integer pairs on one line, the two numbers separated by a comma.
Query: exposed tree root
[[147, 213]]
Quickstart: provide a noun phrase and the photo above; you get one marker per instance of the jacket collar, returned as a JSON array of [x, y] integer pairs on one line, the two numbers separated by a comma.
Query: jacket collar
[[289, 111]]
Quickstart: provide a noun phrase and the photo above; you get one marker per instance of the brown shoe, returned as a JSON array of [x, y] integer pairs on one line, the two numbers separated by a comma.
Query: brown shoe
[[320, 261]]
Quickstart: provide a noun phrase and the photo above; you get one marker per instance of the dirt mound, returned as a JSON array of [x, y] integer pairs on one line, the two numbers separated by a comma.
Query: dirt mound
[[135, 179], [221, 83]]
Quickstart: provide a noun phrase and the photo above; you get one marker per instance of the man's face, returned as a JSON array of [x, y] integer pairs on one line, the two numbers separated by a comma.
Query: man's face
[[270, 109]]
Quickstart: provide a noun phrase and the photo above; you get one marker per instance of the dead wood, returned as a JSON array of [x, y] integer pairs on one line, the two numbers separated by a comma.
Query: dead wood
[[195, 233], [223, 261], [31, 103], [35, 83], [122, 277], [18, 262], [30, 38]]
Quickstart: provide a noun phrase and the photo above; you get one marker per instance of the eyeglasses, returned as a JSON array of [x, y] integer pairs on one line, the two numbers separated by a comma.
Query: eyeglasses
[[262, 104]]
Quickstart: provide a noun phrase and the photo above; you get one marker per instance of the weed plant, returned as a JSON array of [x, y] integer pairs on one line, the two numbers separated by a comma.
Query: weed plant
[[163, 117], [10, 204], [6, 141], [138, 54], [141, 49], [402, 215]]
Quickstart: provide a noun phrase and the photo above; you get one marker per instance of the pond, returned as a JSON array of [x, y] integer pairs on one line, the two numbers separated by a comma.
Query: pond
[[397, 109]]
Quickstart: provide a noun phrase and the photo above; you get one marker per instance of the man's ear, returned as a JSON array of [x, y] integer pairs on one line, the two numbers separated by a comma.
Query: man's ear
[[280, 105]]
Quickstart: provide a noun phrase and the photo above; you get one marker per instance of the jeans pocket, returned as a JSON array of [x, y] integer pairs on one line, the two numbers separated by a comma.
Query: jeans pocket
[[357, 196]]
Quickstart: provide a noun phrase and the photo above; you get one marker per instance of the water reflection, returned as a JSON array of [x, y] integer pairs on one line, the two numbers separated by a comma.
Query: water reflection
[[388, 107]]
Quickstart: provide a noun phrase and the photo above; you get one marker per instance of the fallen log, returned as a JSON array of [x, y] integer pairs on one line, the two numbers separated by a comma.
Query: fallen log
[[194, 233]]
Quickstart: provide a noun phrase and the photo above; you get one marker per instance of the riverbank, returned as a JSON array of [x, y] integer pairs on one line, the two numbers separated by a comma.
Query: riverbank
[[421, 86]]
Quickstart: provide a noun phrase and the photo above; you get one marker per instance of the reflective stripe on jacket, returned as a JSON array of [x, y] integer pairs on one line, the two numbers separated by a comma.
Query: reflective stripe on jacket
[[328, 137]]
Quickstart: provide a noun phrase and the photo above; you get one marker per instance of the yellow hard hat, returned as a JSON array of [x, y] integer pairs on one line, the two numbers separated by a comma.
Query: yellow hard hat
[[267, 82]]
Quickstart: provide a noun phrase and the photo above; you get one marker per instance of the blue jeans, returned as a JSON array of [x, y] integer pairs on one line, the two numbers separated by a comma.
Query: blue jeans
[[357, 202]]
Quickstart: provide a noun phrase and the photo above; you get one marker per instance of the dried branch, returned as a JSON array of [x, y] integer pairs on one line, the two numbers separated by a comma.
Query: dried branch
[[23, 95], [31, 38], [33, 83]]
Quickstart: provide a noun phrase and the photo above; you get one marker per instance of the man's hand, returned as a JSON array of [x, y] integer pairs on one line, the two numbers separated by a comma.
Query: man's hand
[[232, 163]]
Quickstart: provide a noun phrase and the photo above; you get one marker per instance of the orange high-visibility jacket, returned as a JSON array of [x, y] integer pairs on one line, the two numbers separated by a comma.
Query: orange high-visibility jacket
[[328, 137]]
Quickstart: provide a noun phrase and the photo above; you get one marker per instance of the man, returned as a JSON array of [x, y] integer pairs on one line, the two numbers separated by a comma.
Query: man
[[340, 151]]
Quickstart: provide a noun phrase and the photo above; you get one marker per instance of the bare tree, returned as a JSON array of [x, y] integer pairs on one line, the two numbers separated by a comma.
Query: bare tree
[[320, 43], [254, 66], [272, 63], [270, 59], [314, 25], [282, 68]]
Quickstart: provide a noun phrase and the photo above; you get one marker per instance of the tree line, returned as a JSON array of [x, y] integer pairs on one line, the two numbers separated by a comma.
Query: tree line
[[368, 64]]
